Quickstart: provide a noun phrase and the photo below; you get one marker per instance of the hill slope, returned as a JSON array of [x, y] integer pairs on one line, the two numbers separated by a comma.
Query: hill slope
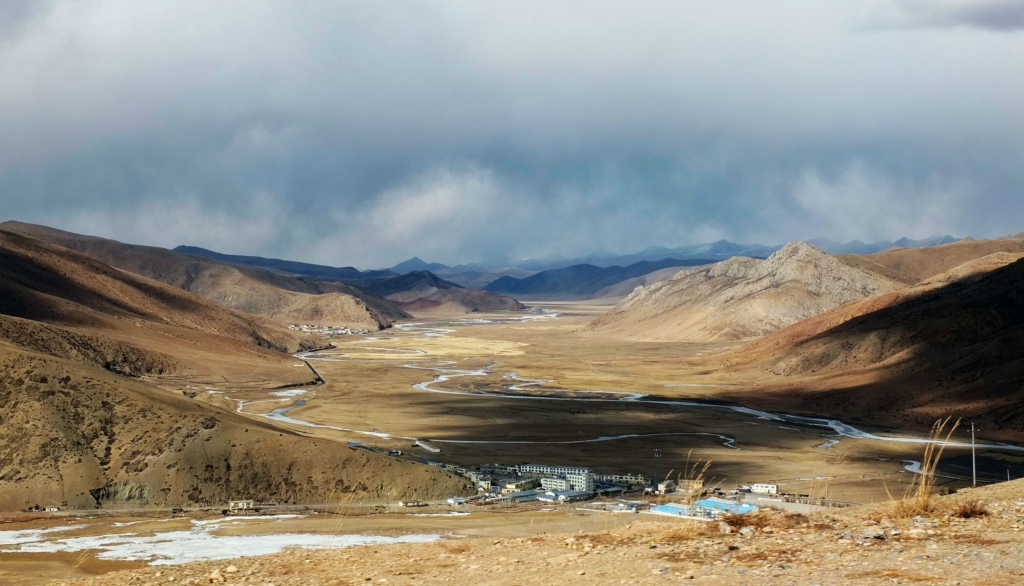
[[253, 290], [284, 267], [624, 288], [81, 426], [913, 265], [741, 297], [425, 292], [949, 345], [580, 281]]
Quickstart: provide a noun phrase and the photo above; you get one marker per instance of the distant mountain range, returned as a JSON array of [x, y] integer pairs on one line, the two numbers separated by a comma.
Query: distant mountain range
[[858, 247], [417, 264], [720, 250], [409, 286], [724, 249], [583, 280]]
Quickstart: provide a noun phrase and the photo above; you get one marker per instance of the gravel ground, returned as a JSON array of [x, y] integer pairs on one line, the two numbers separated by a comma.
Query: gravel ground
[[858, 546]]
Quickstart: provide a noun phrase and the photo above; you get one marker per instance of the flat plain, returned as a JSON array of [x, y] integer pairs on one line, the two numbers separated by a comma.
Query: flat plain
[[511, 388]]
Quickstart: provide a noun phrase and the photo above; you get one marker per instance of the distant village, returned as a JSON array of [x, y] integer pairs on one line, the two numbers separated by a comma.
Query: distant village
[[326, 330], [511, 484]]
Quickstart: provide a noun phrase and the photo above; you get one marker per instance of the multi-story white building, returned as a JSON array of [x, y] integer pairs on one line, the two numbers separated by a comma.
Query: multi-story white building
[[622, 479], [552, 470], [583, 482], [555, 484]]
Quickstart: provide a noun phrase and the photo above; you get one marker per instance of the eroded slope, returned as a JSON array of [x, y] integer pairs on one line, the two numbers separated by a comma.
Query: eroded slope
[[741, 297]]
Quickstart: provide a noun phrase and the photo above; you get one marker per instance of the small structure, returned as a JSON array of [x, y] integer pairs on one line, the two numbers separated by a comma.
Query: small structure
[[241, 505], [715, 506], [51, 509], [762, 488], [394, 452], [456, 500], [519, 485], [666, 487], [677, 510], [566, 496], [412, 504]]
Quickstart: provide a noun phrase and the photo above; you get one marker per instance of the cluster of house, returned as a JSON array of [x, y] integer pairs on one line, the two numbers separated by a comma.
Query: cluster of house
[[499, 483], [326, 330]]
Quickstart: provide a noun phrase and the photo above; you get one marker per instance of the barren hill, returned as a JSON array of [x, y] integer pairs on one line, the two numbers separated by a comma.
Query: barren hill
[[285, 267], [253, 290], [913, 265], [949, 345], [425, 292], [741, 297], [81, 425]]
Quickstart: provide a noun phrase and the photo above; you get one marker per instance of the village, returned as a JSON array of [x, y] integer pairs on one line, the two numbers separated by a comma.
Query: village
[[692, 498], [320, 330]]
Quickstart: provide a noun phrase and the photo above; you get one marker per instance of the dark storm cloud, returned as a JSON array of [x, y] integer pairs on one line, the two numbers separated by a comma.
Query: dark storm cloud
[[994, 15], [365, 132]]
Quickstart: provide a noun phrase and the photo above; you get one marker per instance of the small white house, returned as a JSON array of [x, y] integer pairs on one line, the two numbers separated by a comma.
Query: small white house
[[762, 488]]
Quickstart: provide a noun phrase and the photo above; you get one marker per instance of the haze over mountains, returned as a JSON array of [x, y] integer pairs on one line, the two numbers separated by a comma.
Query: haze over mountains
[[409, 285], [581, 281], [720, 250]]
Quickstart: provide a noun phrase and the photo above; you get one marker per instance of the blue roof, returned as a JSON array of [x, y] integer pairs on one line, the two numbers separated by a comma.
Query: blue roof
[[723, 505]]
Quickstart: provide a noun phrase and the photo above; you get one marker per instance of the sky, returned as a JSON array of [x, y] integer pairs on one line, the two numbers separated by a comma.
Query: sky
[[364, 133]]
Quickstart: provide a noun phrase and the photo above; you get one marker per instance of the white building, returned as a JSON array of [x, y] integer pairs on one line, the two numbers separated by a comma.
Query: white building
[[583, 482], [622, 479], [552, 470], [761, 488], [555, 484]]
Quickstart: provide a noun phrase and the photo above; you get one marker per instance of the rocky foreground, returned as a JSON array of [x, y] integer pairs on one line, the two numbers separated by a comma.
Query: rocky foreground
[[970, 538]]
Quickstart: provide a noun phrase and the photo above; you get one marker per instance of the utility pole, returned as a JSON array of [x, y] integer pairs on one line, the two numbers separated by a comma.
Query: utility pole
[[657, 467], [974, 464]]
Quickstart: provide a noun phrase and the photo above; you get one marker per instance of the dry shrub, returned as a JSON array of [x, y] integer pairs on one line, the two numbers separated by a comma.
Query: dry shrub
[[764, 518], [970, 509], [757, 519], [916, 500], [687, 529], [791, 520]]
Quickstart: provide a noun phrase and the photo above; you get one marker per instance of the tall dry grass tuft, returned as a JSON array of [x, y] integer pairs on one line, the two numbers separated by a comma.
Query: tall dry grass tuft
[[693, 478], [916, 499]]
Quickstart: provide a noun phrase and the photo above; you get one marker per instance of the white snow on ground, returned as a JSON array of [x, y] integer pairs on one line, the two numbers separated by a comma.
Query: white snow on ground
[[196, 544]]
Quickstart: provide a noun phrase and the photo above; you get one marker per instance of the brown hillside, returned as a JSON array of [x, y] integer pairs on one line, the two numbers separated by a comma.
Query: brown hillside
[[253, 290], [741, 297], [79, 424], [913, 265], [79, 437], [626, 287], [949, 346]]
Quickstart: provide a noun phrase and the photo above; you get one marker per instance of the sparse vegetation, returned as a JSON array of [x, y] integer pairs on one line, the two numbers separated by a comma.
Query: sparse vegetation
[[970, 509], [916, 500]]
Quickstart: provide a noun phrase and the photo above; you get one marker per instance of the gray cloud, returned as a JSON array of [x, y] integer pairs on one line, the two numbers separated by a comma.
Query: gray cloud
[[994, 15], [363, 133]]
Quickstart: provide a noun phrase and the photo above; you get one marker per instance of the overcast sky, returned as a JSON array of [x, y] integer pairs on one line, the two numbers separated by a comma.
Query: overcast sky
[[365, 133]]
